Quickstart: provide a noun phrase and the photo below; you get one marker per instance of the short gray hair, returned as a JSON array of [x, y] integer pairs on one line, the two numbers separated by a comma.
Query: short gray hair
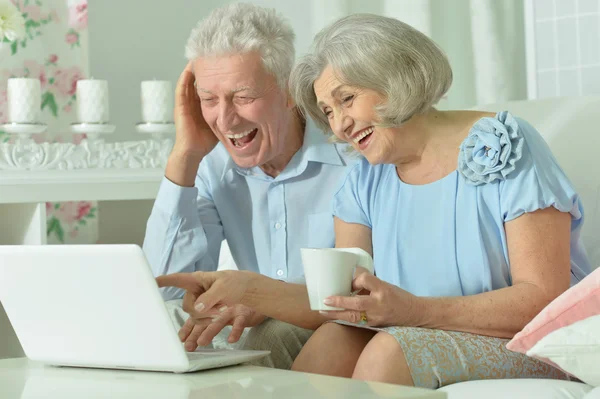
[[242, 28], [379, 53]]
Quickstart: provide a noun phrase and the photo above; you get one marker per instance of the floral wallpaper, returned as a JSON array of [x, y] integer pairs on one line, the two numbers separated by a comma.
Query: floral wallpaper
[[53, 49]]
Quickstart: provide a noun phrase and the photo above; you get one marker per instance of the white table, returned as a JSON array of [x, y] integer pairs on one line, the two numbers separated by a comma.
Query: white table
[[23, 379]]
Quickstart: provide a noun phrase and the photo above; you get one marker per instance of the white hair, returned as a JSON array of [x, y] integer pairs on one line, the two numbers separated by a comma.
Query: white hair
[[379, 53], [242, 28]]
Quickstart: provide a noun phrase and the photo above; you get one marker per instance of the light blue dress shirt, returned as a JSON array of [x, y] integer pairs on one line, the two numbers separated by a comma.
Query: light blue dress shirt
[[265, 220], [447, 238]]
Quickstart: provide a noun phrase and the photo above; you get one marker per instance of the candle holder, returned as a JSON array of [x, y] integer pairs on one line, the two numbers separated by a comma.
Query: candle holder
[[24, 130], [92, 152], [93, 130], [157, 130]]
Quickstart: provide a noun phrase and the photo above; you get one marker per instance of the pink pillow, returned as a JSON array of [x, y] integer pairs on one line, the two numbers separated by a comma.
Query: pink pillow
[[577, 303]]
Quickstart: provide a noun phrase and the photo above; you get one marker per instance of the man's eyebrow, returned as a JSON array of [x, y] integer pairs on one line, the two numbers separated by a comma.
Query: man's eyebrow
[[242, 88], [237, 89]]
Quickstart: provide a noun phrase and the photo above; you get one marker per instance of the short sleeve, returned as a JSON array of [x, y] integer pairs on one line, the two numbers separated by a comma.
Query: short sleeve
[[537, 182], [350, 202]]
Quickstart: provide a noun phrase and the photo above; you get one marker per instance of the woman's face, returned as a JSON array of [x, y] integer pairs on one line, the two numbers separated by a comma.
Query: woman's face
[[352, 116]]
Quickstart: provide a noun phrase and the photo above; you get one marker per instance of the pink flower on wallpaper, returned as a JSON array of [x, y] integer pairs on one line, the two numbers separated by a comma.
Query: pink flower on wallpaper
[[83, 210], [78, 16], [71, 38], [65, 80], [53, 59], [35, 70], [33, 12], [67, 212], [72, 212]]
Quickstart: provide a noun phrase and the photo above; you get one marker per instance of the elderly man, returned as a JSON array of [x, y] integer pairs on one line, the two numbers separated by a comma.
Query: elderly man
[[246, 167]]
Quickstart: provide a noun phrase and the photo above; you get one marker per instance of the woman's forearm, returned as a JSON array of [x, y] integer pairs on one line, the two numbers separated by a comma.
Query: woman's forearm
[[498, 313], [281, 301]]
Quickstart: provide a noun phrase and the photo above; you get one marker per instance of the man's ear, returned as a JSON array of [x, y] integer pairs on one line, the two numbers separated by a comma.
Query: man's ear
[[290, 100]]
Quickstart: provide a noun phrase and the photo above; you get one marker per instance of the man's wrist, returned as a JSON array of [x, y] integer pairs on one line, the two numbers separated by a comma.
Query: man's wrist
[[252, 293], [182, 168]]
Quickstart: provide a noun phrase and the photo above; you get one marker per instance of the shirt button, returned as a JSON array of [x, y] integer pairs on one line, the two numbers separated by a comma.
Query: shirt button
[[277, 225], [280, 273]]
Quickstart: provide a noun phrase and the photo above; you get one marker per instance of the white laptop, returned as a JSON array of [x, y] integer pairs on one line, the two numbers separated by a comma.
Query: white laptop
[[96, 306]]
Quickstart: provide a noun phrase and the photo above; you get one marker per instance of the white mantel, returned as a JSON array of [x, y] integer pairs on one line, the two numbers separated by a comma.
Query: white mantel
[[22, 187], [32, 174], [125, 197]]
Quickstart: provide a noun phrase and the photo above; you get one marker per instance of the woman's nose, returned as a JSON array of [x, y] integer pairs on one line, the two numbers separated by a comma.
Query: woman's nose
[[346, 123]]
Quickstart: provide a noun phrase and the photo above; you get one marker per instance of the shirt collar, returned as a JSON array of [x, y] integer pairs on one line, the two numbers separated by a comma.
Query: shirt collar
[[318, 148], [228, 166], [315, 148]]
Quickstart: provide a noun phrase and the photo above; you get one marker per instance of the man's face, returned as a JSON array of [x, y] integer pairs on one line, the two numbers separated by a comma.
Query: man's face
[[243, 105]]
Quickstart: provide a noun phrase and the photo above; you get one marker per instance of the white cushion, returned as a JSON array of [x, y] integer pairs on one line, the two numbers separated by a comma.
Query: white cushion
[[226, 261], [593, 394], [575, 348], [518, 389]]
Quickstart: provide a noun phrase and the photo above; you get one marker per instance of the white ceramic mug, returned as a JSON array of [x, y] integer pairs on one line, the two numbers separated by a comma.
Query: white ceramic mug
[[330, 271]]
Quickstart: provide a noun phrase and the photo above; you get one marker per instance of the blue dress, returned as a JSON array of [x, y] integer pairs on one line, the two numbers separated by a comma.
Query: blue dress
[[447, 238]]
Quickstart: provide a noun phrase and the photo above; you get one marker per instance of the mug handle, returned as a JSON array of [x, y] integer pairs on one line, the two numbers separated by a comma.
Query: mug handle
[[364, 258]]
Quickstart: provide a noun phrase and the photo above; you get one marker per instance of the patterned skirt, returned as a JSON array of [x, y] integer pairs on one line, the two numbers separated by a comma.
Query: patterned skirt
[[437, 358]]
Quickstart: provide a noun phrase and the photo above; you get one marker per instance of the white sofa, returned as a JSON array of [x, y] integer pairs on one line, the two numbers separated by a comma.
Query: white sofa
[[571, 126]]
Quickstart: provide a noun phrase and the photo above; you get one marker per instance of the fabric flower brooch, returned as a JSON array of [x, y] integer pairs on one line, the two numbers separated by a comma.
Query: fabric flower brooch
[[491, 149]]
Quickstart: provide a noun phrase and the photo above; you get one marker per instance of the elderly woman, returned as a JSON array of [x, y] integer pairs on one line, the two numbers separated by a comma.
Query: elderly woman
[[472, 224]]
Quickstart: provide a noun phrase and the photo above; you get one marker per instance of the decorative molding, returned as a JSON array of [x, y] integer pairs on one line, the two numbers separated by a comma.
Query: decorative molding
[[26, 154]]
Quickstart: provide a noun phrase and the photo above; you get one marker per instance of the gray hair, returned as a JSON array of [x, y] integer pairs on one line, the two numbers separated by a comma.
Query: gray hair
[[379, 53], [242, 28]]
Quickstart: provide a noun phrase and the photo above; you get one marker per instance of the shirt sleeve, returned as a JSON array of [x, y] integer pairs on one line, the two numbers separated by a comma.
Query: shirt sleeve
[[184, 232], [538, 182], [350, 202]]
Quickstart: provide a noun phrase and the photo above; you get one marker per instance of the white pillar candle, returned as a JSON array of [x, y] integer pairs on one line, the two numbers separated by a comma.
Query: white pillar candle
[[24, 100], [157, 101], [92, 101]]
